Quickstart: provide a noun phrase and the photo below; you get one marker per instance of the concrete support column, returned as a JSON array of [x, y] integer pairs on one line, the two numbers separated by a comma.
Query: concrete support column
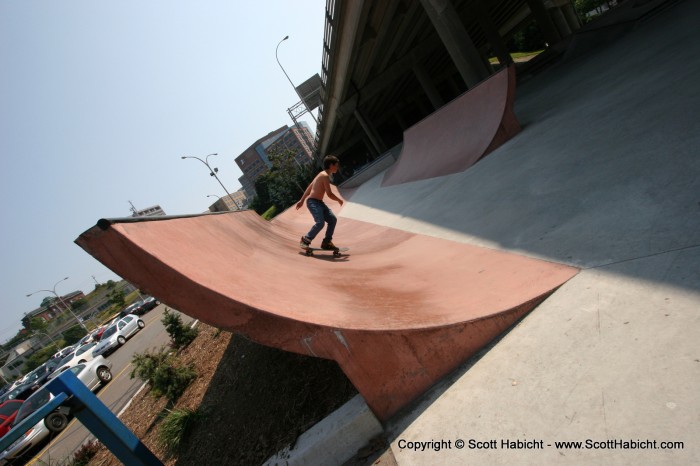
[[560, 22], [428, 85], [549, 30], [456, 40], [454, 86], [372, 152], [497, 44], [401, 121], [372, 135], [424, 108], [571, 17]]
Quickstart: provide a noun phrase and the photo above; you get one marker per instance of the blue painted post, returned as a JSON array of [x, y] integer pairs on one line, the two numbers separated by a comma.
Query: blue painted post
[[102, 422]]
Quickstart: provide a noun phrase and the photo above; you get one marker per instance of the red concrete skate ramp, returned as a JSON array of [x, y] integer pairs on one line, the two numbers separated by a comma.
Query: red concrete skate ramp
[[457, 135], [401, 311]]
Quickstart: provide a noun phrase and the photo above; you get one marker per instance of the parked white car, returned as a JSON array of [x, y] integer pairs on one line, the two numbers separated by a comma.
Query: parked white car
[[64, 352], [117, 334], [79, 356], [93, 374]]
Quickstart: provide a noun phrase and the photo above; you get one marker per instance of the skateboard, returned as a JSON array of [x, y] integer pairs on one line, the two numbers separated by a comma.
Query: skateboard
[[336, 252]]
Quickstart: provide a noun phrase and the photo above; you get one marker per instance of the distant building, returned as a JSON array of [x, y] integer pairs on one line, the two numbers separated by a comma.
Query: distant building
[[17, 356], [255, 161], [43, 313], [52, 306], [236, 201], [147, 212]]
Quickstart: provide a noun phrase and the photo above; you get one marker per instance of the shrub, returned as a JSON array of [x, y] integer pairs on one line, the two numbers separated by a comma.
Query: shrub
[[85, 453], [176, 427], [270, 213], [161, 373], [180, 335]]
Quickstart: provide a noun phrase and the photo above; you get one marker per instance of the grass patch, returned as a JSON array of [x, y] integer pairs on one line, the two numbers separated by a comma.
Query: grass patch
[[176, 427], [518, 56], [270, 213]]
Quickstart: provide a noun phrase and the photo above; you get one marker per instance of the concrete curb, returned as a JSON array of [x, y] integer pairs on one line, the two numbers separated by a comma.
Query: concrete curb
[[335, 439]]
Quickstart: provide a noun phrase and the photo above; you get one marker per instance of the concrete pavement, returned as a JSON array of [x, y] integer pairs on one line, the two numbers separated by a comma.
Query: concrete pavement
[[604, 176]]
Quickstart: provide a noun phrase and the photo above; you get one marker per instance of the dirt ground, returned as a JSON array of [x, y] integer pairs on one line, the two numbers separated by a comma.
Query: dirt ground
[[255, 400]]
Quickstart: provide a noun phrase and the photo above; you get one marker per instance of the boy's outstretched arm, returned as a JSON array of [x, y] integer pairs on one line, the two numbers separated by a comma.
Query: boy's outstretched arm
[[303, 198], [329, 193]]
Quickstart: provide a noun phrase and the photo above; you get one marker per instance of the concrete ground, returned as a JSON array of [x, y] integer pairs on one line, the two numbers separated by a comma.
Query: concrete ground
[[605, 176]]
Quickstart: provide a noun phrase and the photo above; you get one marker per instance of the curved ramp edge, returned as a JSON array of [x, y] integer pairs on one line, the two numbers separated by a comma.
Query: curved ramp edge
[[398, 313], [458, 135]]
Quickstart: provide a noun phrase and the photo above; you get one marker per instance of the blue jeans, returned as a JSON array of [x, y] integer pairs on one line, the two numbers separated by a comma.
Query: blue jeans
[[321, 214]]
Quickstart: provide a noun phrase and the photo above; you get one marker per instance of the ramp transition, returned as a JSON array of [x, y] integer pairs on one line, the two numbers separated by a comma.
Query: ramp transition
[[459, 134], [399, 313]]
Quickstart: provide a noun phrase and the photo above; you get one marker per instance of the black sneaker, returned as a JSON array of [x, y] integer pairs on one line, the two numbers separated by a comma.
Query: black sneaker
[[304, 243], [328, 245]]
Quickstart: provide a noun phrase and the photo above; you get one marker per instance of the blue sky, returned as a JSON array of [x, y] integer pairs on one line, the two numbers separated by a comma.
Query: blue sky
[[98, 102]]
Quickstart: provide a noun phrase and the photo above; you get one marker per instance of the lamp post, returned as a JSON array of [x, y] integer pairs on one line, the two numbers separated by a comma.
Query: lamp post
[[49, 336], [212, 172], [53, 291], [290, 81]]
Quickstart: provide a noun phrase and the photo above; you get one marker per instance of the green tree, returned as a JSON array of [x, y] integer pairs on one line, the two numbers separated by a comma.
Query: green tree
[[180, 335], [527, 39], [37, 324], [261, 202], [74, 334], [27, 323], [47, 301], [116, 297], [78, 303], [284, 184]]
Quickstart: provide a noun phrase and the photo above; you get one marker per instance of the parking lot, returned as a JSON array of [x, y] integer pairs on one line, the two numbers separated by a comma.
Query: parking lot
[[116, 394]]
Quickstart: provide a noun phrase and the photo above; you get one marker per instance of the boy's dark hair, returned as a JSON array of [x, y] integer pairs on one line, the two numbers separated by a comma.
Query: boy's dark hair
[[329, 160]]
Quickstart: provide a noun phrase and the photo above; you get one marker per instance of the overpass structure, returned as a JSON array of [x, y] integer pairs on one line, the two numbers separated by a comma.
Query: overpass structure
[[388, 65]]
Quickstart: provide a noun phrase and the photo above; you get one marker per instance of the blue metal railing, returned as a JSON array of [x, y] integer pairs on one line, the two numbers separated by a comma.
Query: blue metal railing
[[94, 415]]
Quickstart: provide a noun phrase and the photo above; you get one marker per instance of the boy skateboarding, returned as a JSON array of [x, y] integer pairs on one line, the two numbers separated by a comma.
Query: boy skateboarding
[[320, 186]]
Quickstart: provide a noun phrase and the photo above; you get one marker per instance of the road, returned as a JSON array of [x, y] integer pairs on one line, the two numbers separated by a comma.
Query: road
[[117, 393]]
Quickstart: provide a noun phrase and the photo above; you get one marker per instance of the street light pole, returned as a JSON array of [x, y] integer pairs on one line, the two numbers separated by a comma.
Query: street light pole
[[212, 172], [53, 291], [52, 341], [290, 81]]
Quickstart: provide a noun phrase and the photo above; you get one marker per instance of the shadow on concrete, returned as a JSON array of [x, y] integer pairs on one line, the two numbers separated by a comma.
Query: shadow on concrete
[[606, 169]]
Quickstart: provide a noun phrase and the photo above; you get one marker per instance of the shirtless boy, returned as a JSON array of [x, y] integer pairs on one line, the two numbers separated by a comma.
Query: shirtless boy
[[320, 186]]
